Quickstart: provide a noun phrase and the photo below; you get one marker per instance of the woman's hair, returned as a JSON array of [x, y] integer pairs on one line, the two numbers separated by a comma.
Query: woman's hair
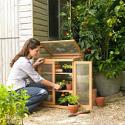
[[29, 44]]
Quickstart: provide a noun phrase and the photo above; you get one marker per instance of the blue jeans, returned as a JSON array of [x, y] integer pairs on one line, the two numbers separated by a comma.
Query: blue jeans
[[38, 93]]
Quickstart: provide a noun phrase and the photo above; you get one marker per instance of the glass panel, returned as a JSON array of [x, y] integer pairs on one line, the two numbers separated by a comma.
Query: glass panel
[[82, 69], [61, 47], [82, 80], [44, 53], [47, 76], [45, 71]]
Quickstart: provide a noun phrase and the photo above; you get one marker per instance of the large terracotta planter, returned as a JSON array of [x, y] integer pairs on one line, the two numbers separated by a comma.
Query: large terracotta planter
[[107, 87], [123, 83]]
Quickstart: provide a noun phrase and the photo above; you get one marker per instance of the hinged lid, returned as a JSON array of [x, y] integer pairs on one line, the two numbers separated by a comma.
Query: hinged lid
[[60, 48]]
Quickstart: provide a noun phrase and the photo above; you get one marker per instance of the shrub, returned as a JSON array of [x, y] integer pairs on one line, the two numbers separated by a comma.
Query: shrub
[[12, 106]]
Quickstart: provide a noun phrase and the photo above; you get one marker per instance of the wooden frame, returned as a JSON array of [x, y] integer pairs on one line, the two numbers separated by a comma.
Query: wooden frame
[[74, 83]]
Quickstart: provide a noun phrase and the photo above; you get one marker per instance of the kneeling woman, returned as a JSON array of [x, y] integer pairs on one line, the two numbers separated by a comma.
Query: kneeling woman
[[23, 70]]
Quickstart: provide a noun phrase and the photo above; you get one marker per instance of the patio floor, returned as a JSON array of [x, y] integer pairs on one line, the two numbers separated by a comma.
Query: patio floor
[[113, 113]]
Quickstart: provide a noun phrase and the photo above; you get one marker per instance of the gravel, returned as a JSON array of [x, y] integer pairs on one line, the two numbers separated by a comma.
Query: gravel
[[113, 113]]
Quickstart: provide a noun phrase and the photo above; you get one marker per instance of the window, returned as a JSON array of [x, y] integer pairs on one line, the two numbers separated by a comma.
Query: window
[[53, 20], [58, 24]]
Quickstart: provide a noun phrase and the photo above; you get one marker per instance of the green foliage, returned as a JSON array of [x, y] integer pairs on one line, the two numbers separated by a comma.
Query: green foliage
[[100, 33], [62, 83], [70, 99], [62, 100], [111, 67], [67, 66], [65, 26], [12, 106]]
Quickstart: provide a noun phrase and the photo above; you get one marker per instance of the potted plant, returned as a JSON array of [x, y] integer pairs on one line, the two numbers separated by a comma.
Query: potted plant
[[67, 68], [100, 101], [12, 106], [62, 84], [62, 100], [101, 29], [72, 101], [58, 68]]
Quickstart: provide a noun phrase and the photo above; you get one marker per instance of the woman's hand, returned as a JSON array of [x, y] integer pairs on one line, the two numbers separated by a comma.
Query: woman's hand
[[51, 84], [57, 87], [38, 61]]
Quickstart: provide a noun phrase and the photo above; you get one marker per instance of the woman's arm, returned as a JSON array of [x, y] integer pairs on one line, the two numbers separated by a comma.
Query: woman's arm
[[51, 84], [30, 71]]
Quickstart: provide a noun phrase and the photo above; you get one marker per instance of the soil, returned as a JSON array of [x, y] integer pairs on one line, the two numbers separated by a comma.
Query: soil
[[113, 113]]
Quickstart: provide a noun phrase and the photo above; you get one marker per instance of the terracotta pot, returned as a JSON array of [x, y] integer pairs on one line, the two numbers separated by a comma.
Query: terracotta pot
[[69, 86], [94, 94], [57, 66], [100, 101], [73, 108]]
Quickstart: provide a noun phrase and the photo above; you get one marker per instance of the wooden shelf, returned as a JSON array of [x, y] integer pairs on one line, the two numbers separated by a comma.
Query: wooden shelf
[[54, 106], [70, 91], [63, 73], [47, 73]]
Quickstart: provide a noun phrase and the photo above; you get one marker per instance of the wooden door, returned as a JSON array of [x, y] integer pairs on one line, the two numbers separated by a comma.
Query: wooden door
[[83, 82], [46, 70]]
